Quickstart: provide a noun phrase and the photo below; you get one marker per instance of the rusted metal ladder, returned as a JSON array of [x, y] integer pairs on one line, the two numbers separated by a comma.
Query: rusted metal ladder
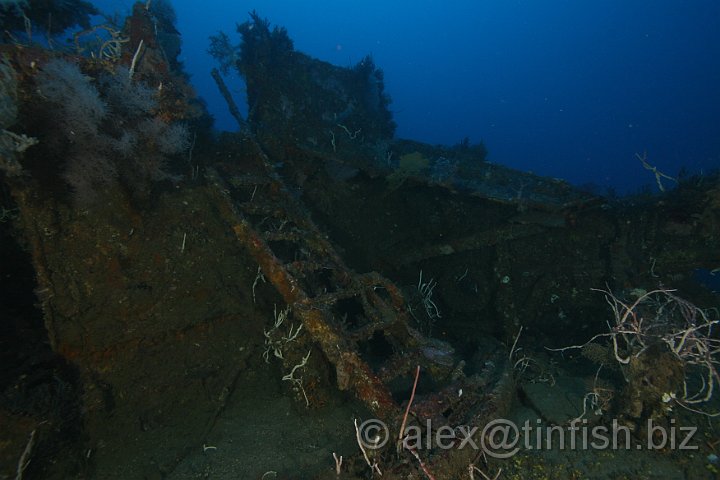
[[338, 307]]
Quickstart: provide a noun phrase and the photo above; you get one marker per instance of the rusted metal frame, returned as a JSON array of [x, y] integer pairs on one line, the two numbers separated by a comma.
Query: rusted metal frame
[[374, 280], [352, 372], [306, 233], [379, 314], [395, 321]]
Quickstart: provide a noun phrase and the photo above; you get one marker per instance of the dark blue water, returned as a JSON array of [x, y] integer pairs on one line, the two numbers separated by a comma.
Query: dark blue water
[[566, 89]]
